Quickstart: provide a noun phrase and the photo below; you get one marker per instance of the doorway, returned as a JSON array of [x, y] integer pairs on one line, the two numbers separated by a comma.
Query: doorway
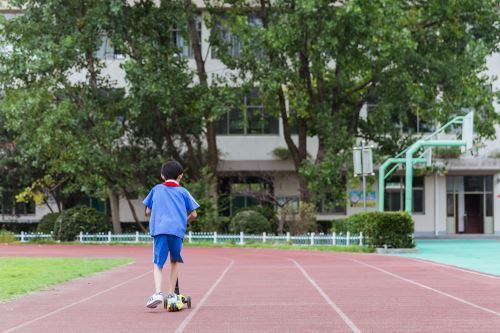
[[473, 214]]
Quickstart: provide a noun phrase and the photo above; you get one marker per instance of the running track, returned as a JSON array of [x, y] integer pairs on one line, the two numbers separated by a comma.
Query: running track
[[257, 290]]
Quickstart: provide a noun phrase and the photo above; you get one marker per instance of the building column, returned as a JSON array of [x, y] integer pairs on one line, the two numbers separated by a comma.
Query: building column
[[496, 204]]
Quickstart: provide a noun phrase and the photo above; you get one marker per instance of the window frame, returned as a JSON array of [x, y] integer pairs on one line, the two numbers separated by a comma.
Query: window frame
[[401, 190], [246, 106]]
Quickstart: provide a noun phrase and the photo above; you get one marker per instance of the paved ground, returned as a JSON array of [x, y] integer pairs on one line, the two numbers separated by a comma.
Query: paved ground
[[257, 290], [478, 255]]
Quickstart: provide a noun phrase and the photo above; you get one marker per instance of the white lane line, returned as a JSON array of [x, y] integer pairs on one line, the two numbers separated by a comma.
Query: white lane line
[[335, 307], [186, 320], [458, 299], [73, 304], [430, 262]]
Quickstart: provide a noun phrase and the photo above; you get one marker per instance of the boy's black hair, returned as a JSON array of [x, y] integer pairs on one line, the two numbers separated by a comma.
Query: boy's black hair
[[171, 170]]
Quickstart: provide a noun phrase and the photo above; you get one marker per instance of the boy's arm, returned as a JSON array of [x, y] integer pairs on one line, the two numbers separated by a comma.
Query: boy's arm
[[192, 216], [148, 211]]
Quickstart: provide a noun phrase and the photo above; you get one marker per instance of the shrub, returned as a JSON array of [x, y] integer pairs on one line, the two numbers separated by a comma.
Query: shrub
[[268, 212], [250, 222], [283, 153], [46, 224], [304, 221], [393, 229], [340, 226], [7, 237], [80, 219]]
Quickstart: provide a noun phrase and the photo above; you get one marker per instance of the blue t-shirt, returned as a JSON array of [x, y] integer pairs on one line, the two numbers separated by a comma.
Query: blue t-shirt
[[170, 207]]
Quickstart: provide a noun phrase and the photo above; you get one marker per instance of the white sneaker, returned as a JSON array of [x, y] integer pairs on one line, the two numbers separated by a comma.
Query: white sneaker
[[171, 298], [155, 300]]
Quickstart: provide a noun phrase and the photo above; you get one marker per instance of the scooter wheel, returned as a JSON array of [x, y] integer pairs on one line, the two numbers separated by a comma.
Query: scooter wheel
[[188, 299]]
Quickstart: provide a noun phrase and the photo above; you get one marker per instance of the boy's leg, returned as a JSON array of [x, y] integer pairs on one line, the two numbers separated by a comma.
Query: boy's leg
[[160, 253], [175, 246], [174, 274], [158, 275]]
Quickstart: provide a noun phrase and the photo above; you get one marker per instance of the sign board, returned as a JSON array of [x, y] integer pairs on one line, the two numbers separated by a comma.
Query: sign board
[[362, 164], [367, 161], [357, 161]]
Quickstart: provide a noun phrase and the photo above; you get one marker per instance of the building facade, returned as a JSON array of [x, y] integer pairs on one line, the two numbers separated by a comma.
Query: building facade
[[463, 199]]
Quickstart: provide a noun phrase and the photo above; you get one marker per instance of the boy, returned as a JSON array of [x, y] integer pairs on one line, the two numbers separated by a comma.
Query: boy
[[171, 207]]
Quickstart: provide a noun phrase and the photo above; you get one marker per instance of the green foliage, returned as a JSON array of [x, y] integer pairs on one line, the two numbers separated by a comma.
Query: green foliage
[[282, 153], [80, 219], [47, 223], [204, 190], [427, 58], [250, 222], [303, 221], [393, 229], [267, 211], [6, 237], [452, 152]]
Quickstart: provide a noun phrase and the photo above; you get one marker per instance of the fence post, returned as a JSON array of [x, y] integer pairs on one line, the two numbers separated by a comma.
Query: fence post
[[360, 239], [242, 240], [137, 236], [334, 238], [288, 237], [22, 236], [109, 236], [190, 237], [81, 237], [263, 237], [348, 239], [215, 237], [312, 238]]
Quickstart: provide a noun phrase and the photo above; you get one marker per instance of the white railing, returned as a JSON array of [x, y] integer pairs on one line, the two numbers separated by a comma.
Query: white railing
[[213, 237]]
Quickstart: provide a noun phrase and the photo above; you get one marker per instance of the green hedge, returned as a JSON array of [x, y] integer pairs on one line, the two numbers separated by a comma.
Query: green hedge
[[267, 211], [80, 219], [250, 222], [393, 229], [46, 224]]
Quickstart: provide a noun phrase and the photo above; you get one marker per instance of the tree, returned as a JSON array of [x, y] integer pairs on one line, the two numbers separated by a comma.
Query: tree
[[328, 59], [69, 118]]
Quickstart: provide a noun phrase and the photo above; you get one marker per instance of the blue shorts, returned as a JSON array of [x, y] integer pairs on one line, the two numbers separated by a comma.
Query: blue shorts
[[162, 245]]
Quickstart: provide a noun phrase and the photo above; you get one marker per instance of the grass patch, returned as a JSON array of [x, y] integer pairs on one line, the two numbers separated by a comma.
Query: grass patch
[[20, 275]]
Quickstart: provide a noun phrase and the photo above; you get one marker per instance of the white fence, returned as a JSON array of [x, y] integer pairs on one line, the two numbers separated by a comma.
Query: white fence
[[213, 237]]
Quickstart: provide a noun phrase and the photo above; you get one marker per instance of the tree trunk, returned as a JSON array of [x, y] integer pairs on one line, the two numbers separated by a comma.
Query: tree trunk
[[134, 214], [114, 202], [213, 156]]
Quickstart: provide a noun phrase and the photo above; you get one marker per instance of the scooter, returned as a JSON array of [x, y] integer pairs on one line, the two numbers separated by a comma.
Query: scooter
[[181, 302]]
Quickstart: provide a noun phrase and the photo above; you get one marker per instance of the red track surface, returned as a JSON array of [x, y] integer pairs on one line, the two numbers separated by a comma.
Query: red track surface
[[256, 290]]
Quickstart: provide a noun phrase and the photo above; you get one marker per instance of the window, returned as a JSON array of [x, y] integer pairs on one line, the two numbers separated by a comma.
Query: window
[[106, 50], [9, 206], [408, 121], [92, 202], [394, 199], [327, 205], [233, 42], [230, 40], [184, 44], [251, 119], [246, 194]]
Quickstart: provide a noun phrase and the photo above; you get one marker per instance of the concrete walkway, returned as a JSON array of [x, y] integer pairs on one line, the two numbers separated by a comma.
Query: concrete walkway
[[478, 255]]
